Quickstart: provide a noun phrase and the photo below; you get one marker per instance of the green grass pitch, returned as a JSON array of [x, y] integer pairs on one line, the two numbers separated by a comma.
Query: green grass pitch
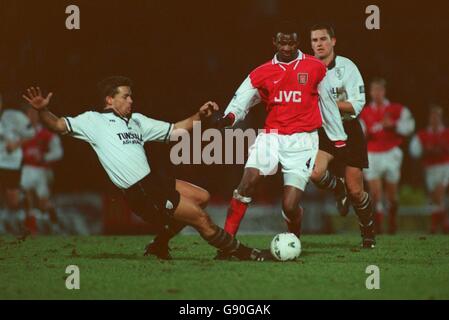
[[411, 266]]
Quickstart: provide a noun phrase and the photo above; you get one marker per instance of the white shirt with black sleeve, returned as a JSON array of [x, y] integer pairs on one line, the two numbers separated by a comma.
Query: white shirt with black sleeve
[[119, 142]]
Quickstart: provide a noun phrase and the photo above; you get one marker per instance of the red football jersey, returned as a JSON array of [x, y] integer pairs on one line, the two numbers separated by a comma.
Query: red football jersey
[[434, 140], [380, 139], [290, 92], [35, 149]]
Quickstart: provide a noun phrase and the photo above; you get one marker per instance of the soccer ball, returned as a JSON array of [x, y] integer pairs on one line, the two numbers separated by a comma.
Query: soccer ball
[[285, 246]]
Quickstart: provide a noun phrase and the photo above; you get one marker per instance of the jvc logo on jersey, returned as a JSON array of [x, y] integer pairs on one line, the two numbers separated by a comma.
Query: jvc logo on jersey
[[288, 96]]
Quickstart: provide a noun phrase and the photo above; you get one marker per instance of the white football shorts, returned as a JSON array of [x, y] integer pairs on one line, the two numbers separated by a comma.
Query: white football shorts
[[385, 165], [296, 153], [437, 175], [37, 179]]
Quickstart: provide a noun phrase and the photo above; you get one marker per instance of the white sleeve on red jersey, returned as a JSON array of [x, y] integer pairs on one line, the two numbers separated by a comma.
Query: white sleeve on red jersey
[[55, 151], [406, 124], [244, 98], [330, 113], [415, 147], [355, 88]]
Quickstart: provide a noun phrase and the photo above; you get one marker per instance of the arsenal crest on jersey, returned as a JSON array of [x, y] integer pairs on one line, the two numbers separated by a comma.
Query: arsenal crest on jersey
[[303, 77]]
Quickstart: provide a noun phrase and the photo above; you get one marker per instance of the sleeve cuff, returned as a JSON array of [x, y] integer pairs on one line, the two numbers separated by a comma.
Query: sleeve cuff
[[69, 125], [169, 131]]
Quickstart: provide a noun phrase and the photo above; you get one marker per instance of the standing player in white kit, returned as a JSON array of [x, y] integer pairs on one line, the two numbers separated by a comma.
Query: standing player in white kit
[[349, 92]]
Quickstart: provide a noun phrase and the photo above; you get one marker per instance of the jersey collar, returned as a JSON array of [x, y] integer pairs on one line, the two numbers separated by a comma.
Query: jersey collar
[[276, 61], [439, 130], [333, 63], [112, 112], [385, 103]]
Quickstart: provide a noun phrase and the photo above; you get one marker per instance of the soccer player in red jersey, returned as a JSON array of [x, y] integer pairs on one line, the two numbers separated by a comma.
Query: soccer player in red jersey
[[39, 153], [298, 102], [386, 124], [432, 146]]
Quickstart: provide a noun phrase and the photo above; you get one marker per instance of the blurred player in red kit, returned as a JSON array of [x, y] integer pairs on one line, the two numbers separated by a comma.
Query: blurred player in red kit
[[386, 124], [432, 146], [39, 153]]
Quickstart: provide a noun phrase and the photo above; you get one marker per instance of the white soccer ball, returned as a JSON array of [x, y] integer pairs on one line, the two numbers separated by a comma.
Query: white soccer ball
[[285, 246]]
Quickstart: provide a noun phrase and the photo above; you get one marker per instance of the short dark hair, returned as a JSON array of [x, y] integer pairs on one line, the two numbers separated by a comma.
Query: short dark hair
[[323, 26], [109, 87], [380, 81], [285, 27]]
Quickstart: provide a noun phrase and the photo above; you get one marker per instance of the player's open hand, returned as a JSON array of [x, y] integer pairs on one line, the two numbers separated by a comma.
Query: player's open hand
[[34, 97], [208, 109]]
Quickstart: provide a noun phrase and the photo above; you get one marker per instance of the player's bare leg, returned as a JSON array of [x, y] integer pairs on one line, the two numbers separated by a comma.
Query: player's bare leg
[[291, 210], [191, 214], [391, 193], [362, 204], [46, 206], [439, 214], [12, 201], [375, 187], [325, 180], [159, 245]]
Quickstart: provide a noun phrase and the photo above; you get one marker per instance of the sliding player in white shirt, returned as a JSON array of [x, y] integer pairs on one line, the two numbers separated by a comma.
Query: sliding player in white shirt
[[117, 136]]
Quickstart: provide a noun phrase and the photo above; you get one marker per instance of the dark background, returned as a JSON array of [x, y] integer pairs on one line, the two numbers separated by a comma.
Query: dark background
[[183, 53]]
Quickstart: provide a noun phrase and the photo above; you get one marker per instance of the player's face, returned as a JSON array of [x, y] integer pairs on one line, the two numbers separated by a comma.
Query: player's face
[[377, 92], [122, 101], [435, 118], [286, 46], [322, 43]]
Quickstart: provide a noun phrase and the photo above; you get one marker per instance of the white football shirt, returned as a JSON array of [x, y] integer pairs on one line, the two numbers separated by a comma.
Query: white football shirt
[[347, 83], [14, 126], [119, 142]]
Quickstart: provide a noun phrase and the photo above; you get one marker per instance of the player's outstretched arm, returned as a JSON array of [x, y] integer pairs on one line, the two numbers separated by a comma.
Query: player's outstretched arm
[[34, 97], [204, 112]]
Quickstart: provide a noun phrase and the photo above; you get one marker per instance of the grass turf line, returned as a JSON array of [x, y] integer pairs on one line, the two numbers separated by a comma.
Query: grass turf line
[[412, 266]]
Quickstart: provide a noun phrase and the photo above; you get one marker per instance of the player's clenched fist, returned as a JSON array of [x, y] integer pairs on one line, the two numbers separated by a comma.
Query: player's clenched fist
[[208, 109], [35, 98], [220, 121]]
